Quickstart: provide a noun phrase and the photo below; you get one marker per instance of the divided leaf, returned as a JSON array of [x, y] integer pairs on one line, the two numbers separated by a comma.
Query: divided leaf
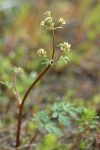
[[51, 128], [64, 120]]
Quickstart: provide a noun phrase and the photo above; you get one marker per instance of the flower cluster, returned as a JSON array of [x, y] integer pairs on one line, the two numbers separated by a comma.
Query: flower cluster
[[62, 21], [42, 52], [65, 46], [48, 21], [49, 24]]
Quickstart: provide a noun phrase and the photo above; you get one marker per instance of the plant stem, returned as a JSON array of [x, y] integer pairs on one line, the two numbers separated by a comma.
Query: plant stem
[[16, 91], [53, 52], [32, 139], [27, 93], [19, 126], [22, 104]]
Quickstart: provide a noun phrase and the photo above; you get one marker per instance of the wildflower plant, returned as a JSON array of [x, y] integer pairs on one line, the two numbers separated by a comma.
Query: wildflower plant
[[49, 24], [88, 120], [60, 114]]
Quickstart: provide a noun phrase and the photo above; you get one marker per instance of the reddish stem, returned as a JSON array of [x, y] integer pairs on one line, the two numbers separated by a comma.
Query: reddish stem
[[27, 93], [53, 52], [22, 104]]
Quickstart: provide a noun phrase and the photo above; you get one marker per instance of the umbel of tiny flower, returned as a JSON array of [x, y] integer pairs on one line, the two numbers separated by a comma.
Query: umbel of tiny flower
[[62, 21], [42, 52], [65, 46], [18, 70], [49, 23]]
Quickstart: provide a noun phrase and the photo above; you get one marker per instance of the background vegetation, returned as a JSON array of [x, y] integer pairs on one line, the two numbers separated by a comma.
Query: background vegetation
[[77, 83]]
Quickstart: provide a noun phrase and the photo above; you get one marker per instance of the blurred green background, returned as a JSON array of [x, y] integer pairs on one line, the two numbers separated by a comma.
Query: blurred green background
[[21, 36]]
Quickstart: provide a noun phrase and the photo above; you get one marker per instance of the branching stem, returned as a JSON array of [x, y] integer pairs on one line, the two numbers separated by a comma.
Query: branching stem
[[27, 93]]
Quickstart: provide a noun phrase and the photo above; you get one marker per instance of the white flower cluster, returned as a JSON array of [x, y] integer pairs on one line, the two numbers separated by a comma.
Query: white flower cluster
[[65, 46], [42, 52], [18, 70], [62, 21], [49, 24], [48, 21]]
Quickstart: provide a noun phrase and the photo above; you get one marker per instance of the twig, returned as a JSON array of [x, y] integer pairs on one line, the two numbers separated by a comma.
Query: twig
[[16, 91], [32, 139]]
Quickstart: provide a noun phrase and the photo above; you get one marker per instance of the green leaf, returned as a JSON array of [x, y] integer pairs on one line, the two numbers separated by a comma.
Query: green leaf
[[41, 126], [46, 62], [7, 83], [66, 58], [42, 116], [64, 120], [63, 58], [72, 113], [51, 128], [57, 131], [81, 129], [54, 107], [92, 126], [55, 114]]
